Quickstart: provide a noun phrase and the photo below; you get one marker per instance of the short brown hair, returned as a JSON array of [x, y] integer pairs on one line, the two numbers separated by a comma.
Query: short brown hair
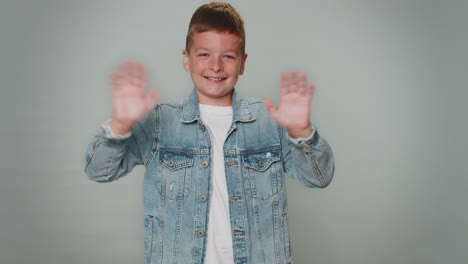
[[217, 16]]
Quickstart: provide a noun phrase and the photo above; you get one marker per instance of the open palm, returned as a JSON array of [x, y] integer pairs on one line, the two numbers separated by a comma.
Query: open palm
[[293, 112], [130, 101]]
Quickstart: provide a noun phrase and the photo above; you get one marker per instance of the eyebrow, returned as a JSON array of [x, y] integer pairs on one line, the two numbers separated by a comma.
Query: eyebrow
[[205, 49]]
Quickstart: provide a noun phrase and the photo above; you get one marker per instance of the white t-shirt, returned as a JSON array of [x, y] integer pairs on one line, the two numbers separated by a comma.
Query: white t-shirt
[[218, 119]]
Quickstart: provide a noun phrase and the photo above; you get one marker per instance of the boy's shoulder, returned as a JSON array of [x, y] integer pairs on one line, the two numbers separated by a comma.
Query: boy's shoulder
[[254, 105], [250, 100], [181, 102], [172, 103]]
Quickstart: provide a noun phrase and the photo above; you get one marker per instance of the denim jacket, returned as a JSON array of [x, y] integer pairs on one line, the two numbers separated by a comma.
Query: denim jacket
[[174, 145]]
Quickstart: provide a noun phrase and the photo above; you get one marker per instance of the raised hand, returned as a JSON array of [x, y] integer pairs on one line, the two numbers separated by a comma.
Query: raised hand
[[293, 112], [130, 101]]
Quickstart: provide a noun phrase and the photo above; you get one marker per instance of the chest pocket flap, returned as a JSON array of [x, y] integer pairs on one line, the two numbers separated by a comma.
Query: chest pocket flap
[[175, 160], [262, 160]]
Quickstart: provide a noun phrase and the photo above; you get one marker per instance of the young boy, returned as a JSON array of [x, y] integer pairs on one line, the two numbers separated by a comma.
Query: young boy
[[214, 187]]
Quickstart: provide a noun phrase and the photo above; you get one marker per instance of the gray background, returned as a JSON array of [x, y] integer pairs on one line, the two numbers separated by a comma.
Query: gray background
[[391, 89]]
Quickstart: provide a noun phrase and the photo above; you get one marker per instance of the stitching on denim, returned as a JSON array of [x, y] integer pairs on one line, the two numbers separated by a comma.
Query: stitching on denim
[[244, 105], [318, 172], [259, 150], [89, 157], [250, 100], [182, 150], [276, 234], [265, 165], [172, 105], [161, 228], [155, 138], [177, 233], [258, 233], [188, 162]]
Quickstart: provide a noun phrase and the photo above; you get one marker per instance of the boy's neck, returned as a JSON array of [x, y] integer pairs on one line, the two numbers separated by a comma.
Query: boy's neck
[[215, 104], [221, 101]]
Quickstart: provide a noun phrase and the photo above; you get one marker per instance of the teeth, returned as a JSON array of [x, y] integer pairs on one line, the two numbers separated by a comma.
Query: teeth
[[215, 79]]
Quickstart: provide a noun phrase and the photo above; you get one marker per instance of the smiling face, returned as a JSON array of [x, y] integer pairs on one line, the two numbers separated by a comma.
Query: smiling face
[[215, 62]]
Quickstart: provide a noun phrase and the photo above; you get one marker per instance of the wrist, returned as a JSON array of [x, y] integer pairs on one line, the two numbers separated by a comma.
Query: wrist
[[300, 133], [119, 128]]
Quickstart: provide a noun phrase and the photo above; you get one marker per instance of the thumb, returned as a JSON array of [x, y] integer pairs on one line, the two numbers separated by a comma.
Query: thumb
[[271, 108]]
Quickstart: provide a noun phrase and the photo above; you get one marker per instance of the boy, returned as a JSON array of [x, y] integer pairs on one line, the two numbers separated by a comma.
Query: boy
[[214, 187]]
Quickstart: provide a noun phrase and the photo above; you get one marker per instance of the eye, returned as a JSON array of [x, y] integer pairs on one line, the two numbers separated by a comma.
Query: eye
[[230, 57], [203, 54]]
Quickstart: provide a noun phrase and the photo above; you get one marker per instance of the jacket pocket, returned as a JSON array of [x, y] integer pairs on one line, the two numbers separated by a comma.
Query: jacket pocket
[[175, 171], [262, 172]]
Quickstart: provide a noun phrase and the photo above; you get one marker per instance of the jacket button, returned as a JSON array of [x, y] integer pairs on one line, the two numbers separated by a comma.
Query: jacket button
[[260, 162], [202, 128], [203, 198], [204, 164], [200, 233]]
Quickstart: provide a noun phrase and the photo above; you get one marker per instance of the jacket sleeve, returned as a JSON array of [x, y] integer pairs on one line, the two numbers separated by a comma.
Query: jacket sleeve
[[107, 159], [308, 161]]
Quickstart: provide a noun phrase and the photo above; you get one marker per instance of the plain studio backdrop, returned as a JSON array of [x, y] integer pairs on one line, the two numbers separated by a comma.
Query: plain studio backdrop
[[391, 89]]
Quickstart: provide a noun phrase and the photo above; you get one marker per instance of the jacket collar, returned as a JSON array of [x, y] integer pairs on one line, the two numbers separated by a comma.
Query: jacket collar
[[240, 109]]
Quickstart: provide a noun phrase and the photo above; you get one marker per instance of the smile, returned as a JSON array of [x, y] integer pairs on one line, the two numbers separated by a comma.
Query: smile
[[215, 78]]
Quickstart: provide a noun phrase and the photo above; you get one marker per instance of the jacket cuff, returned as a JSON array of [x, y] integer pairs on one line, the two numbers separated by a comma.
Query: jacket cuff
[[111, 135], [302, 142]]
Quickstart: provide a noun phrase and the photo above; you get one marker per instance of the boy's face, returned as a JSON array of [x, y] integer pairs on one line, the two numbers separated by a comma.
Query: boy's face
[[215, 63]]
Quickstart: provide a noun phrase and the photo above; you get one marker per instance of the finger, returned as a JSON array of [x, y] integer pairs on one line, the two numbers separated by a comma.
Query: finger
[[271, 108], [137, 68], [130, 67], [293, 82], [284, 84], [142, 73], [124, 67], [132, 71], [311, 90], [115, 79], [139, 74], [302, 82], [122, 72]]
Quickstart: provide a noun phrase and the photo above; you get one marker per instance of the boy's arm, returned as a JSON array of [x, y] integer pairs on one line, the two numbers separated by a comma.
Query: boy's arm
[[310, 159], [107, 157]]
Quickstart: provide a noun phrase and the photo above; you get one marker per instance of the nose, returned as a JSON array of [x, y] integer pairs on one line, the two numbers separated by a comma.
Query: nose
[[216, 64]]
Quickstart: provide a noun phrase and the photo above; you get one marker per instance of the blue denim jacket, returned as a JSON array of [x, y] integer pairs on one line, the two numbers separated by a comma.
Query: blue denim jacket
[[174, 145]]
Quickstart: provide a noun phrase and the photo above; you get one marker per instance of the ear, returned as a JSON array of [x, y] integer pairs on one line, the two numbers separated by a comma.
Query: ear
[[243, 64], [186, 60]]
